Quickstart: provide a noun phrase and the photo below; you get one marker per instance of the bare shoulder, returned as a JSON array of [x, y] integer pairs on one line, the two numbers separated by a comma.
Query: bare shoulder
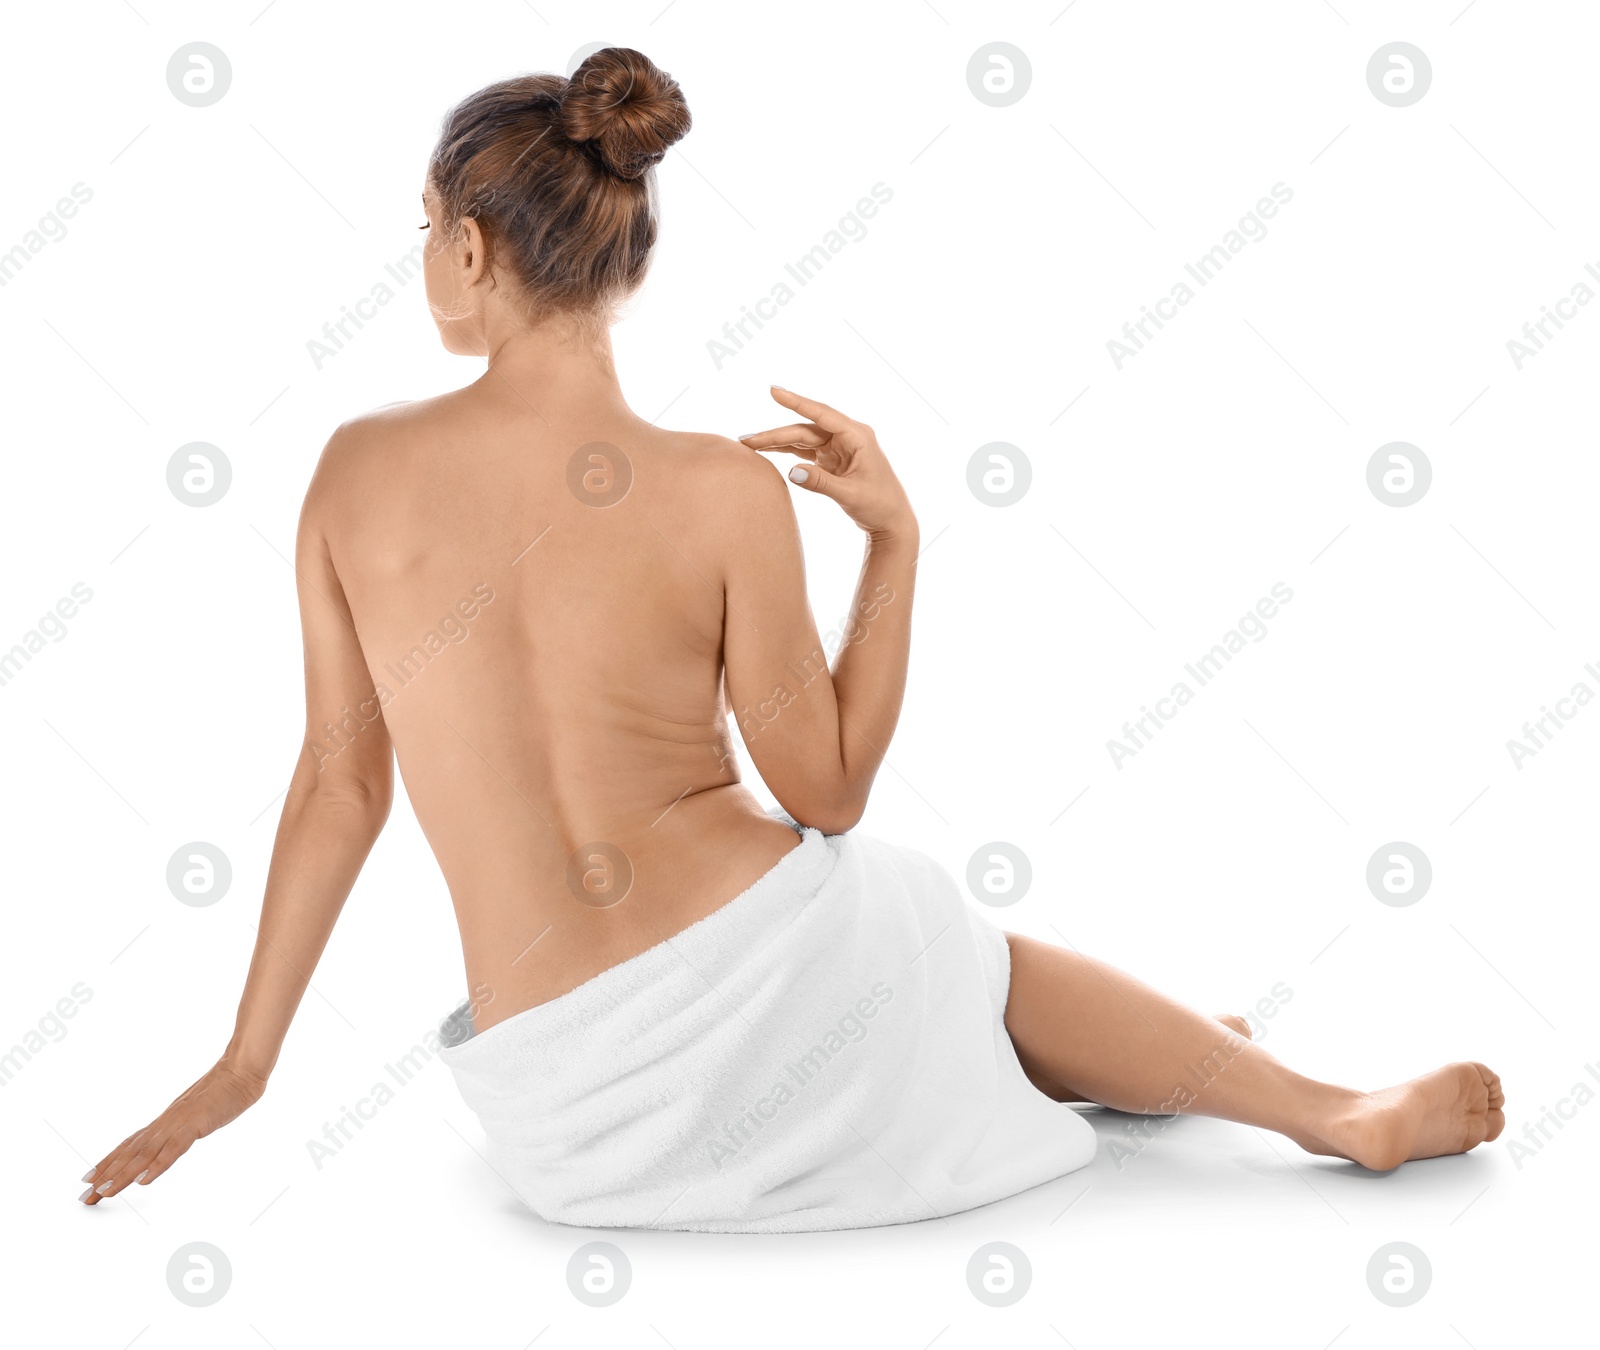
[[365, 448], [385, 430], [748, 492]]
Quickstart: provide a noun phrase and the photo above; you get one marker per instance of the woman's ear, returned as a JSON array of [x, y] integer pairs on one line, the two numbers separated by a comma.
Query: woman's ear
[[471, 251]]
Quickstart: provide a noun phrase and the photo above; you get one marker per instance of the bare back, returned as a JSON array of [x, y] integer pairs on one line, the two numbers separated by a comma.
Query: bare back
[[540, 614]]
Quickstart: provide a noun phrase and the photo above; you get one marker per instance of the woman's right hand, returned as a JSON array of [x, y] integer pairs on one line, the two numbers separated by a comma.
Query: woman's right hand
[[846, 463], [222, 1094]]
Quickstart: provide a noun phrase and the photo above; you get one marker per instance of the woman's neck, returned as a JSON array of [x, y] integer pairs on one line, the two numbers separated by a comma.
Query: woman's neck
[[560, 369]]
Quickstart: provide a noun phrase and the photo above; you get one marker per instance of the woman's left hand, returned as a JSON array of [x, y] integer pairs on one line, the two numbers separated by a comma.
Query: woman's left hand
[[221, 1095]]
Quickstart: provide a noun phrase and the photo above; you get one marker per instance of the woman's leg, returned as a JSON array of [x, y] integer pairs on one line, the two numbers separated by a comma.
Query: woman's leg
[[1084, 1031]]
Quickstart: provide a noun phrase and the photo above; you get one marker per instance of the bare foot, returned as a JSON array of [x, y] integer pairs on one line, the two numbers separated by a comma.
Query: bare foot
[[1450, 1110], [1234, 1023]]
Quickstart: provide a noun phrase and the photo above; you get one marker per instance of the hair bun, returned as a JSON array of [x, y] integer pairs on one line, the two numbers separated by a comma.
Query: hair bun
[[624, 108]]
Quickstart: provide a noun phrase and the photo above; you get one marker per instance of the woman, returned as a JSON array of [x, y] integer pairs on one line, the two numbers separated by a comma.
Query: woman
[[686, 1012]]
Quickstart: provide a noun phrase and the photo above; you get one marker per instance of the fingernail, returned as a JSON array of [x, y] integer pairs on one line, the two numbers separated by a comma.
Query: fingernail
[[798, 475], [86, 1194], [87, 1176], [103, 1187], [780, 387], [744, 435], [139, 1180]]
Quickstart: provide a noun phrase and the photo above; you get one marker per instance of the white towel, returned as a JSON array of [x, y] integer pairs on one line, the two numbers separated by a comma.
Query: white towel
[[825, 1051]]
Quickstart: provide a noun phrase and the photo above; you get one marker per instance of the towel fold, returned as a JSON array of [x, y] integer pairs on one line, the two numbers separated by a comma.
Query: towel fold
[[825, 1051]]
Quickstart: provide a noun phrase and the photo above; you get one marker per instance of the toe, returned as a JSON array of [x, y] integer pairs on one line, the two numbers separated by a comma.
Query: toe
[[1491, 1082], [1235, 1024]]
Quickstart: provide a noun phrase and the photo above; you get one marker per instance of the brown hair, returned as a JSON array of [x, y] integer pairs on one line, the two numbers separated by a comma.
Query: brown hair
[[557, 173]]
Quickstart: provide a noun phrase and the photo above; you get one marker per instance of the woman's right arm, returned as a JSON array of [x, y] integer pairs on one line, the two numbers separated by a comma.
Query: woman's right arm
[[817, 736]]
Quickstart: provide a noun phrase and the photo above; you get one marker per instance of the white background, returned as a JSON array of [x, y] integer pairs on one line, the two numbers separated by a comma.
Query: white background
[[1226, 857]]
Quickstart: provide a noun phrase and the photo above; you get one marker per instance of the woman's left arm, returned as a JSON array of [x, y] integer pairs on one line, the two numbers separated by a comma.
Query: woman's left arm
[[337, 802]]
